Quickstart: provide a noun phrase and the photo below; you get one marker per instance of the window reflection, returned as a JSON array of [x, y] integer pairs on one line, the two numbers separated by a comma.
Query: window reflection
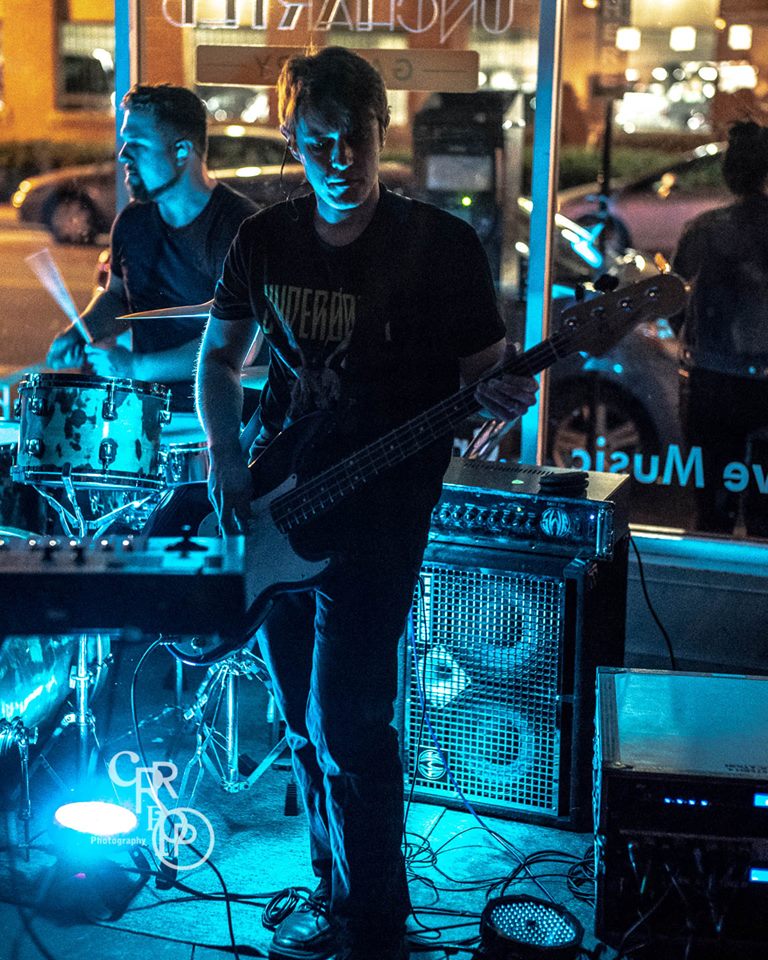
[[650, 92]]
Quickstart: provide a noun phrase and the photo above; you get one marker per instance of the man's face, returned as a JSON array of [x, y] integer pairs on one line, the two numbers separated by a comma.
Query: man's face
[[148, 155], [342, 167]]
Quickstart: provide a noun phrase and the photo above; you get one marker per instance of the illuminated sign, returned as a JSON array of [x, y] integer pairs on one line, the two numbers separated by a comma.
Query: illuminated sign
[[450, 71], [356, 16]]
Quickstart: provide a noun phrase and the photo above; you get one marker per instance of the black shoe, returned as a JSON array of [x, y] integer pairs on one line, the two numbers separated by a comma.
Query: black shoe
[[308, 933]]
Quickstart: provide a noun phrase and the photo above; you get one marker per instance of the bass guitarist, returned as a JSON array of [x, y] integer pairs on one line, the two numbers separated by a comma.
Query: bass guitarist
[[375, 307]]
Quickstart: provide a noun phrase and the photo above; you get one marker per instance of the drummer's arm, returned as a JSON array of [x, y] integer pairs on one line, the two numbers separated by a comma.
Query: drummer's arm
[[100, 316]]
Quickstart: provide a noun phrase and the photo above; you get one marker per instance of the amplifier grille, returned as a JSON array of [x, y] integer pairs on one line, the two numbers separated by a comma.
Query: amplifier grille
[[487, 645]]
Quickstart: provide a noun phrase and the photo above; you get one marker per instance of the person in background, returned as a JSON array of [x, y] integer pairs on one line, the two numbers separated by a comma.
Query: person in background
[[724, 338], [375, 307], [167, 246]]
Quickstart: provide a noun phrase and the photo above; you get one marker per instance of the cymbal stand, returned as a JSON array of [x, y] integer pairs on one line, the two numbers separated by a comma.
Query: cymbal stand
[[216, 706], [14, 733], [82, 677]]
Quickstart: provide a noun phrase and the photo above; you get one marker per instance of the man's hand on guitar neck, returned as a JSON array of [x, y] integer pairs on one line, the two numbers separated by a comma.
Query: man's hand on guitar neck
[[507, 396], [230, 489]]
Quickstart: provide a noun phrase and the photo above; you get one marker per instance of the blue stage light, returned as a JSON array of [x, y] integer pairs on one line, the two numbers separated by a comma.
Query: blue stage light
[[526, 928], [96, 818]]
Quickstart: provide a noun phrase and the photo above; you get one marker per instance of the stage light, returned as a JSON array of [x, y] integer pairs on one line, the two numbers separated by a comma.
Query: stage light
[[95, 818], [86, 881], [526, 928]]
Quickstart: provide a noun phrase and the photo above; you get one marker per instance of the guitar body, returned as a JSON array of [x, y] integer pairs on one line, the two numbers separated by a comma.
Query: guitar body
[[276, 562]]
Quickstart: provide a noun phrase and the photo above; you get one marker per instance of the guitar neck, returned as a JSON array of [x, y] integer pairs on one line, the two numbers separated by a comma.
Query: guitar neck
[[331, 486]]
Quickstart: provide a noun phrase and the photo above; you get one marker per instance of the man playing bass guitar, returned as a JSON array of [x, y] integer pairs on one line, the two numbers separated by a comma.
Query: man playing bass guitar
[[375, 308]]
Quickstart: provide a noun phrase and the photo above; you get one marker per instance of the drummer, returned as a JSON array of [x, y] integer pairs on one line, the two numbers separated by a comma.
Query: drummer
[[167, 247]]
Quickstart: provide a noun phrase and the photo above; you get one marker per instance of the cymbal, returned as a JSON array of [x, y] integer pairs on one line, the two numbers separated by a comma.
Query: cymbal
[[196, 310], [253, 378]]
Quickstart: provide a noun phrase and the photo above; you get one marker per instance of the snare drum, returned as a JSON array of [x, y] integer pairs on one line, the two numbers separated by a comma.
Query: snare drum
[[100, 431]]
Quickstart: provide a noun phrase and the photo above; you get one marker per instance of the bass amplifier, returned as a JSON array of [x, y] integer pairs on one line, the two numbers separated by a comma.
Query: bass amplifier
[[522, 594], [681, 814]]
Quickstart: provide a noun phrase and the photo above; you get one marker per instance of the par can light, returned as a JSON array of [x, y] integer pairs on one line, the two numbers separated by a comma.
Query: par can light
[[526, 928]]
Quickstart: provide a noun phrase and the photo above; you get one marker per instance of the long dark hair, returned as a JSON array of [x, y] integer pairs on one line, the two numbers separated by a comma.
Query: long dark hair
[[745, 168]]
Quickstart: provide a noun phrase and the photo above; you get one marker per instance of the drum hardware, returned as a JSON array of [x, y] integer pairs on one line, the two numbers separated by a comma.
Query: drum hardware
[[35, 674], [107, 452], [75, 524], [13, 733], [37, 405], [35, 447], [215, 711], [82, 677], [108, 408]]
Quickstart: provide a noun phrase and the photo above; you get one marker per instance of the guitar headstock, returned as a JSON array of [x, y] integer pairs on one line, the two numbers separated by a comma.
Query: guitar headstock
[[596, 325]]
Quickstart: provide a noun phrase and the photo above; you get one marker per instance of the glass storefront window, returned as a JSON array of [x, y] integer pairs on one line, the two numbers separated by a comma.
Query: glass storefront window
[[649, 93], [87, 67]]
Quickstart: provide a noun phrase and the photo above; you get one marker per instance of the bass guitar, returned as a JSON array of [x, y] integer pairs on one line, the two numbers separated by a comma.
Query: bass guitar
[[291, 497]]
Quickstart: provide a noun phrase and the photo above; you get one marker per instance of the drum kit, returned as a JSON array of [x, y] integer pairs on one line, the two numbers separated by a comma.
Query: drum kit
[[93, 455]]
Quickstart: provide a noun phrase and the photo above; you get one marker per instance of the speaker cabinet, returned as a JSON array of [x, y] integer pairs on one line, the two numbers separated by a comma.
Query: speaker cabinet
[[497, 688]]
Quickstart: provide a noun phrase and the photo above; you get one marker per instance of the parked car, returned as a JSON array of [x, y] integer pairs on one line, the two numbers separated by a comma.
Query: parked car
[[78, 203], [649, 213]]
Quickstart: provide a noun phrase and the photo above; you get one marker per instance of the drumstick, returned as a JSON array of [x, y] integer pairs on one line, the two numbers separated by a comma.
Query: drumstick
[[44, 267]]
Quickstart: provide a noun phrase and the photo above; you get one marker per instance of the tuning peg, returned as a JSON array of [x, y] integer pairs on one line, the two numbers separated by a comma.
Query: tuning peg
[[606, 283]]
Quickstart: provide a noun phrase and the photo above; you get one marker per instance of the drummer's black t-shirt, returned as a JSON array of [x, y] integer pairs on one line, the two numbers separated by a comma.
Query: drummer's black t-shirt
[[164, 266]]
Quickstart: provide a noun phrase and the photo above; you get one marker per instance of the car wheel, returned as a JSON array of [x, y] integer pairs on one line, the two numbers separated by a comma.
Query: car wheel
[[72, 220], [582, 411], [613, 236]]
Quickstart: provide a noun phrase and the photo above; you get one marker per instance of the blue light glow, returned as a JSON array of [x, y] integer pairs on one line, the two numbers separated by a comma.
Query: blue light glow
[[758, 874], [761, 800], [96, 818]]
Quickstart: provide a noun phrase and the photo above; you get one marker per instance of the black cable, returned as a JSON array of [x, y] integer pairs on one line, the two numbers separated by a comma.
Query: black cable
[[651, 608], [282, 905], [623, 949], [134, 713], [227, 901]]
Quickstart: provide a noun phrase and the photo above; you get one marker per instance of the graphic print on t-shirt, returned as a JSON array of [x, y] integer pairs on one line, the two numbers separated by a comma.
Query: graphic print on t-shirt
[[310, 329]]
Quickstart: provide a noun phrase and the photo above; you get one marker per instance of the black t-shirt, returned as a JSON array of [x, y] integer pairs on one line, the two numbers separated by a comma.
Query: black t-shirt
[[164, 266], [373, 331]]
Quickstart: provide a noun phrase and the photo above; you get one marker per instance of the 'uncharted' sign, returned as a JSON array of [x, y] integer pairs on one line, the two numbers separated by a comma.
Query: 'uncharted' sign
[[356, 16]]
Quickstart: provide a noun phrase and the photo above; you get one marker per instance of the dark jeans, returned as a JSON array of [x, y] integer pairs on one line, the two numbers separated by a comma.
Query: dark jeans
[[725, 416], [332, 654]]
